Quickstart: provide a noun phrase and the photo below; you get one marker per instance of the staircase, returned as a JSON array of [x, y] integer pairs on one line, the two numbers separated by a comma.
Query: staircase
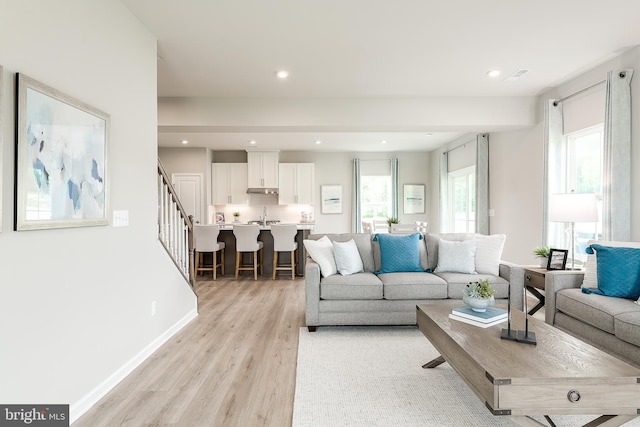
[[175, 228]]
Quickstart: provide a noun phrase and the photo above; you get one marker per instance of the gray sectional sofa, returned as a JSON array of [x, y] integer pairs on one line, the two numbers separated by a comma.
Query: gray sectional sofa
[[609, 323], [366, 298]]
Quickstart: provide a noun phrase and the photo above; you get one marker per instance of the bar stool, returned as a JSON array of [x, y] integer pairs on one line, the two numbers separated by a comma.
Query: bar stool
[[247, 241], [205, 239], [284, 236]]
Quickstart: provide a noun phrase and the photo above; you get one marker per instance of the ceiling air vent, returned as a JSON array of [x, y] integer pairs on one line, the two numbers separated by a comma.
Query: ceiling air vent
[[516, 75]]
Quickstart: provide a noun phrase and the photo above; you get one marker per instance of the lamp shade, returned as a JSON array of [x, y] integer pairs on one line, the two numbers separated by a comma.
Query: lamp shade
[[573, 207]]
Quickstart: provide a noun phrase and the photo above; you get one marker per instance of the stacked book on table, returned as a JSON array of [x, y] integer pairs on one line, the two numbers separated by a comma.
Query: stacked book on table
[[484, 319]]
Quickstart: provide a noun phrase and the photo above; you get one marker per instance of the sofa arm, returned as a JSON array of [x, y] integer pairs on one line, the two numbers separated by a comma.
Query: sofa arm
[[312, 292], [555, 281], [514, 274]]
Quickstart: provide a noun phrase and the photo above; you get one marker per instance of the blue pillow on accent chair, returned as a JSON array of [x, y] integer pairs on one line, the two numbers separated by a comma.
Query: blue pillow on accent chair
[[618, 270], [399, 253]]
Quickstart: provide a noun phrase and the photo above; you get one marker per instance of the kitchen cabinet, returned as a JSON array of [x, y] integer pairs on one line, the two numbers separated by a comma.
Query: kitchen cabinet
[[296, 183], [263, 169], [229, 184]]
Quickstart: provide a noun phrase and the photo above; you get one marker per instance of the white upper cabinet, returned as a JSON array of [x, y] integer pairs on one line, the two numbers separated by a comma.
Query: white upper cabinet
[[263, 169], [229, 184], [296, 183]]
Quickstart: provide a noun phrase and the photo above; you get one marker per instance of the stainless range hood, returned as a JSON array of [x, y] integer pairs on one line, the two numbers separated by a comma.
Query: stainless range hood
[[262, 191]]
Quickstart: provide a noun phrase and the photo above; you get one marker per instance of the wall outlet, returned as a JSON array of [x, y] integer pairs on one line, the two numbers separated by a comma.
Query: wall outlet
[[154, 308]]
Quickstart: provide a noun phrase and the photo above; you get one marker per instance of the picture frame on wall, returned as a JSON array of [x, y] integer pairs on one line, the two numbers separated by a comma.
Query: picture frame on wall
[[331, 198], [61, 160], [413, 197], [557, 259]]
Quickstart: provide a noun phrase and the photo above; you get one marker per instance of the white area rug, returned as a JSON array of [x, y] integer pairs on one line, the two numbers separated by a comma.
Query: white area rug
[[373, 376]]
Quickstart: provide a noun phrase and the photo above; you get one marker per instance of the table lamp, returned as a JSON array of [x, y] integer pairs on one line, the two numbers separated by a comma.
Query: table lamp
[[573, 207]]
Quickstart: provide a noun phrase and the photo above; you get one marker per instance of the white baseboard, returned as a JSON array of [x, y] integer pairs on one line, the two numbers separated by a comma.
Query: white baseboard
[[77, 409]]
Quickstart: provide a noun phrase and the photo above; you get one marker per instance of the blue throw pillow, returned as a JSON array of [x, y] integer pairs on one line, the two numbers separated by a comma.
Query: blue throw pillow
[[399, 253], [618, 271]]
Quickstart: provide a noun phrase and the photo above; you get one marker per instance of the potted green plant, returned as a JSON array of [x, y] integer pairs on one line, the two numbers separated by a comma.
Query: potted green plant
[[542, 252], [479, 295], [236, 216], [392, 220]]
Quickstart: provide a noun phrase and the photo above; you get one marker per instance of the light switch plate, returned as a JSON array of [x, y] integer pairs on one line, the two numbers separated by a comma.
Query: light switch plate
[[120, 218]]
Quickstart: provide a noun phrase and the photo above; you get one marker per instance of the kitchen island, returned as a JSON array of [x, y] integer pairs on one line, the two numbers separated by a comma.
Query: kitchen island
[[226, 236]]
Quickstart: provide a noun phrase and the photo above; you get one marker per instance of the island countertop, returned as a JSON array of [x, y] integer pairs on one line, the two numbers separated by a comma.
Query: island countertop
[[300, 226]]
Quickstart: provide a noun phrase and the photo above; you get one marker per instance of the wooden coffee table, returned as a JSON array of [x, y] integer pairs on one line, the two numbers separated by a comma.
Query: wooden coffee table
[[561, 375]]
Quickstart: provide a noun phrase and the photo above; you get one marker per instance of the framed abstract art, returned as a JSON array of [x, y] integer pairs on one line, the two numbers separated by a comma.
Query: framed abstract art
[[61, 160]]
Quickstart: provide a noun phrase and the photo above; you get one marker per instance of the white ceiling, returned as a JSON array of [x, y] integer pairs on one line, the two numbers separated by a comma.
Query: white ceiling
[[374, 48]]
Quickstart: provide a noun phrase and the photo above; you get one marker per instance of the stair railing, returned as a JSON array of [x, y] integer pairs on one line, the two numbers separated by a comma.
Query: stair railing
[[175, 228]]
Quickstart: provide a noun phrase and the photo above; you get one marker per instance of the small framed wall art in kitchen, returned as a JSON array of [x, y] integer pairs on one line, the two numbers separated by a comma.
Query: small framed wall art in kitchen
[[61, 160]]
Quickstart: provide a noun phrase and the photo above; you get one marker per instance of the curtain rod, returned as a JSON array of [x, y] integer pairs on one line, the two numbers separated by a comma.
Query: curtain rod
[[456, 147], [557, 101]]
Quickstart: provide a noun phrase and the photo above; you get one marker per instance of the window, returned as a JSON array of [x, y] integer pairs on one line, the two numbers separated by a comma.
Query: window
[[582, 172], [375, 197], [462, 203]]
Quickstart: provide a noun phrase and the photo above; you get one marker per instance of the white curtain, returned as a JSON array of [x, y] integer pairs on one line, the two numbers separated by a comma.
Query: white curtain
[[394, 187], [482, 183], [357, 207], [554, 154], [444, 192], [617, 157]]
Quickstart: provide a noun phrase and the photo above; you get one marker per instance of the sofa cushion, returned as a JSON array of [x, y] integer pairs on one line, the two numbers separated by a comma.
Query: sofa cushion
[[399, 253], [432, 241], [618, 271], [457, 282], [627, 327], [489, 253], [591, 268], [363, 242], [596, 310], [347, 257], [321, 251], [456, 257], [363, 285], [413, 286]]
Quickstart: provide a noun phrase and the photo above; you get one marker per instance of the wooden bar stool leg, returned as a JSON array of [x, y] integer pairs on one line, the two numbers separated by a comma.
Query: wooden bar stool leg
[[293, 265], [215, 265], [275, 264], [222, 262], [238, 258], [255, 265]]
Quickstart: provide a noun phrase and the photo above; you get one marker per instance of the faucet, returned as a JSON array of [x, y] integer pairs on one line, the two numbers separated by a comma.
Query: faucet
[[264, 216]]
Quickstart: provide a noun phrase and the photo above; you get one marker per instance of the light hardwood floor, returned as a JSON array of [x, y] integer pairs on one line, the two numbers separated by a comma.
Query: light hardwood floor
[[234, 365]]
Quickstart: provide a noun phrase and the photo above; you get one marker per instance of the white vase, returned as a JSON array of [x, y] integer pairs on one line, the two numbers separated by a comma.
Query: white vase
[[479, 304], [543, 261]]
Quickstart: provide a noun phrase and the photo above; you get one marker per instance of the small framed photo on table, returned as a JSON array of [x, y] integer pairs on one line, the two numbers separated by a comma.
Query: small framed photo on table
[[557, 259]]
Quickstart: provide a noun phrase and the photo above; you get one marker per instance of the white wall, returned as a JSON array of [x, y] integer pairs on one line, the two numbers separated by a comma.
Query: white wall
[[75, 304], [516, 162]]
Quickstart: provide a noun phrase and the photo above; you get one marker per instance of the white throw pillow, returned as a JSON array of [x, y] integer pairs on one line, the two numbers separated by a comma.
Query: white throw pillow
[[348, 260], [591, 266], [456, 257], [321, 251], [489, 253]]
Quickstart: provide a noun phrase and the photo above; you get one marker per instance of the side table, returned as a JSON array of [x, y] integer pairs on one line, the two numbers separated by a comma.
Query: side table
[[534, 280]]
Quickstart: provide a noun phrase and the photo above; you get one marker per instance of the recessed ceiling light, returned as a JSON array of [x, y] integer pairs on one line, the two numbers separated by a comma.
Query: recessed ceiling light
[[184, 141], [318, 142], [383, 142], [429, 134], [282, 74], [493, 73], [252, 142]]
